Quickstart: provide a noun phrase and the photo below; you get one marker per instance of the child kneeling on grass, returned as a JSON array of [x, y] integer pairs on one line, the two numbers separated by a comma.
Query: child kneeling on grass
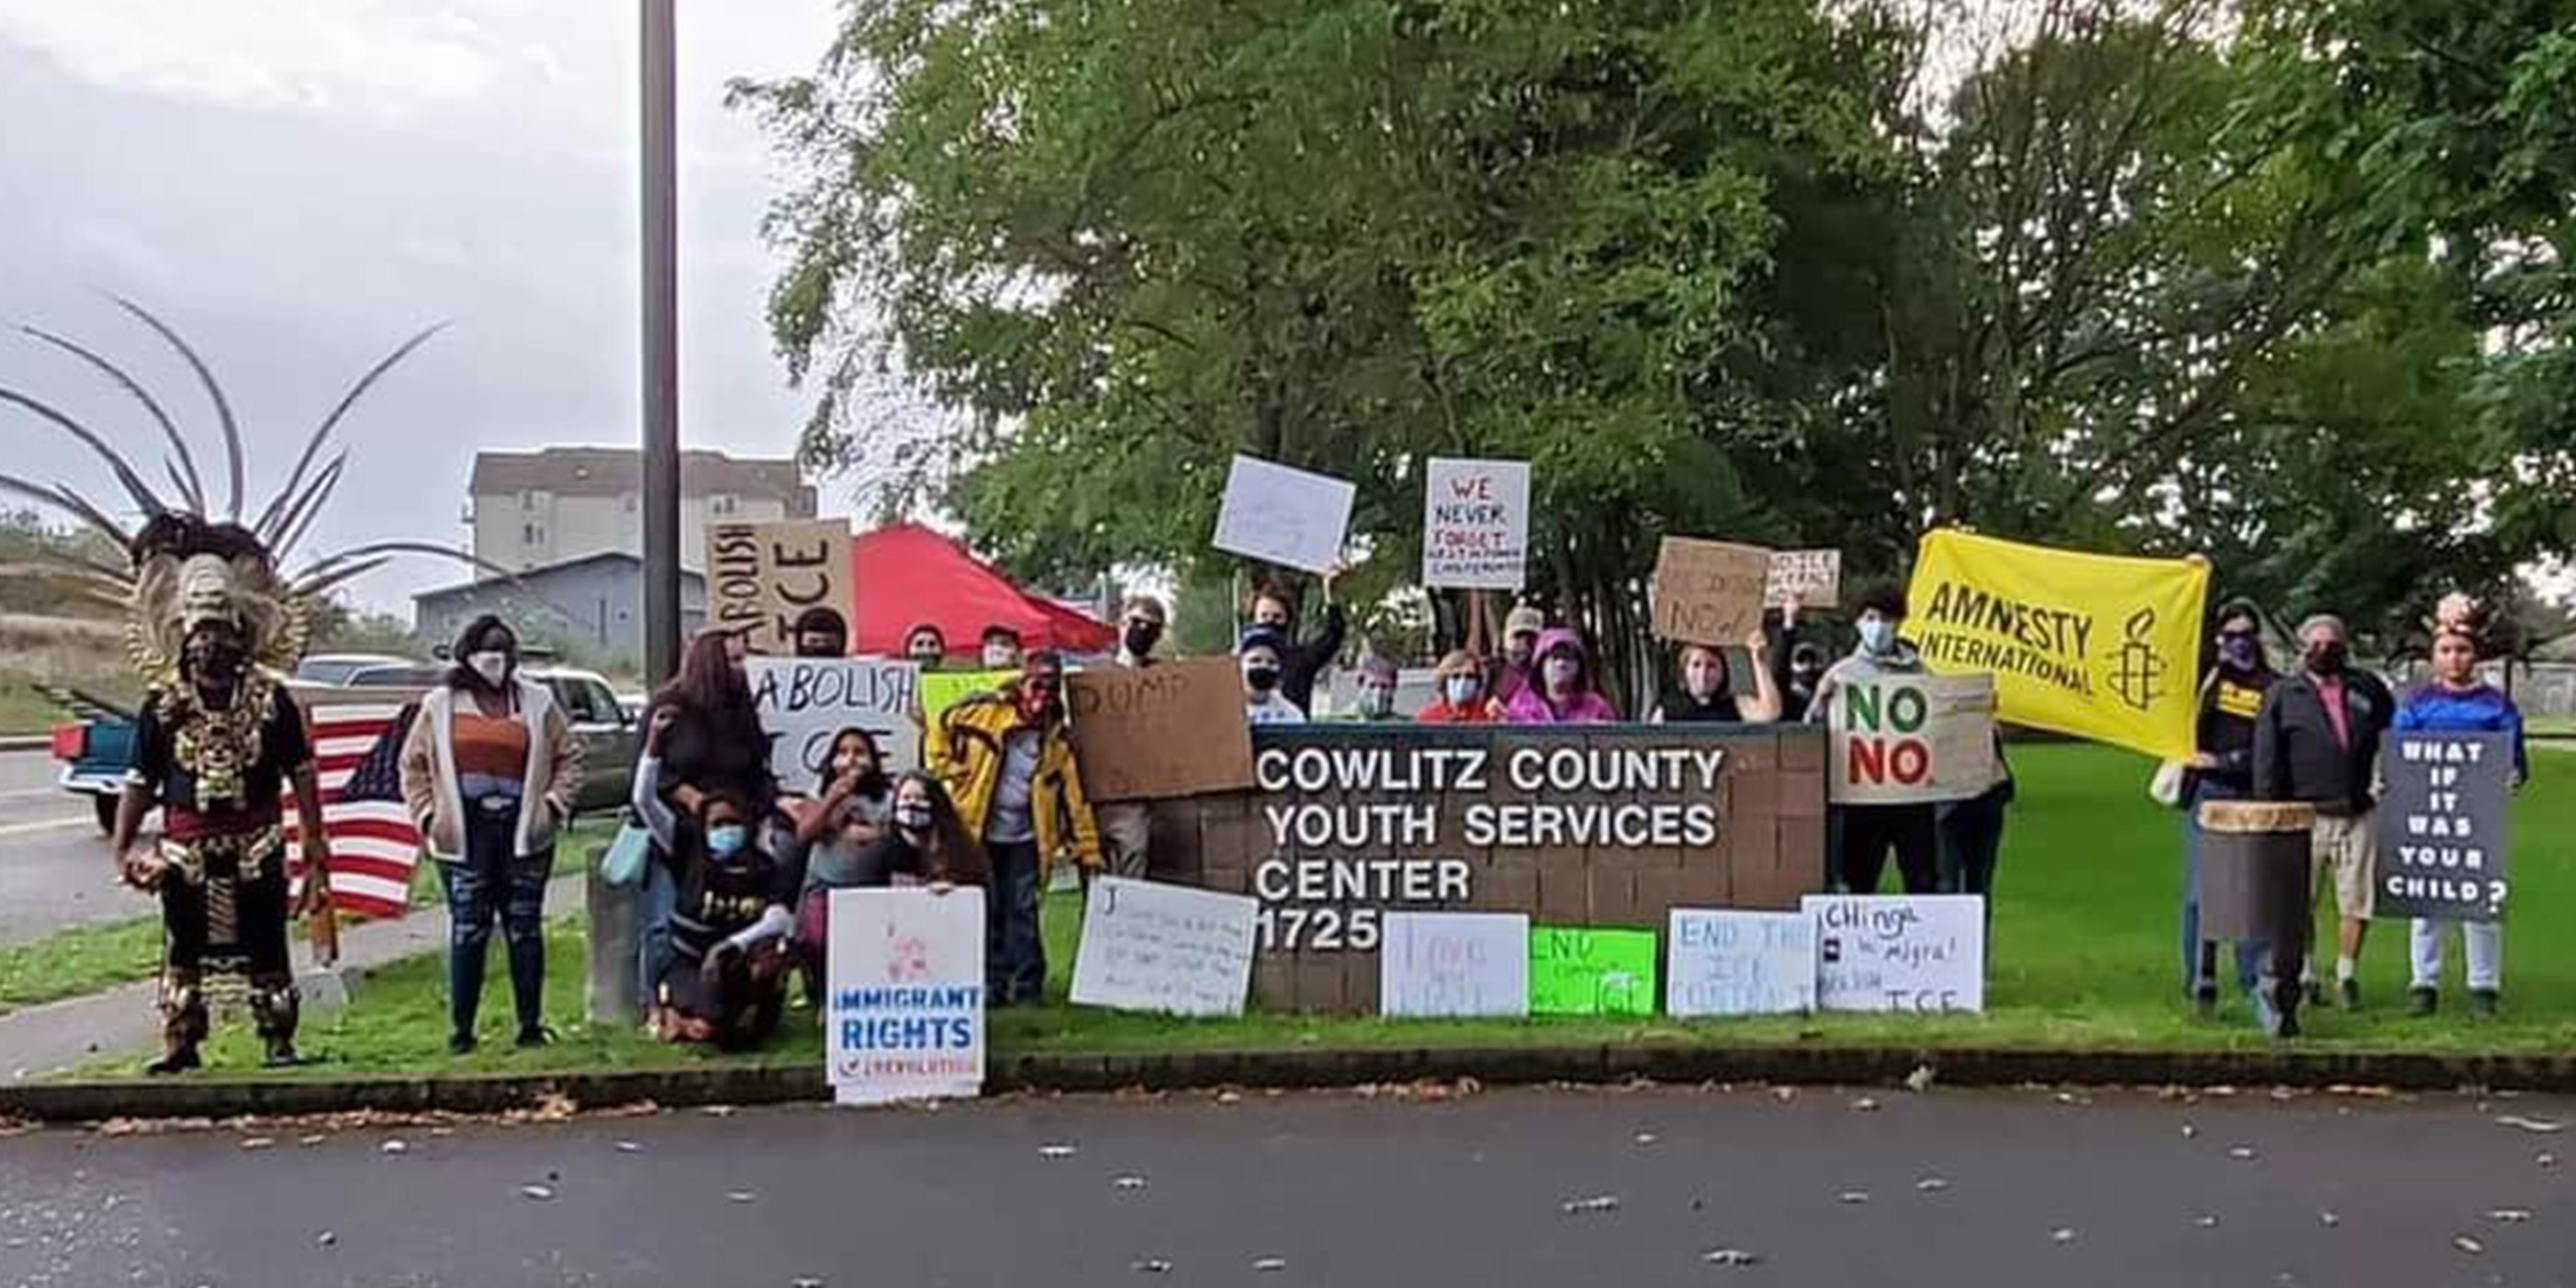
[[727, 978]]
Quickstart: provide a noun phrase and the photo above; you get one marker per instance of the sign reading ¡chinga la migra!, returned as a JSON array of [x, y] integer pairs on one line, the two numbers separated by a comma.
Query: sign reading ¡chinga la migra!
[[2098, 646]]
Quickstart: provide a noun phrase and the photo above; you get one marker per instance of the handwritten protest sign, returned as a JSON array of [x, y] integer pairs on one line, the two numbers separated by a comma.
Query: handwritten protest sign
[[804, 703], [1576, 970], [1709, 592], [941, 690], [1164, 948], [906, 969], [1176, 729], [2443, 833], [1906, 738], [761, 576], [1814, 576], [1455, 964], [1740, 963], [1475, 523], [1282, 515], [1899, 952]]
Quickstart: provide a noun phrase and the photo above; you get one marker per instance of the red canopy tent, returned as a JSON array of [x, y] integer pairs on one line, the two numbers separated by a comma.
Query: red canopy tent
[[906, 575]]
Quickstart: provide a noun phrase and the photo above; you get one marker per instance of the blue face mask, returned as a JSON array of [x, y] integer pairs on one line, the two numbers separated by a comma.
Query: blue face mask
[[726, 840], [1462, 689], [1878, 636]]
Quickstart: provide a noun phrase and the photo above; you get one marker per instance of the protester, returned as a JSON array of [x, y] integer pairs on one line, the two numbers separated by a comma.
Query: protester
[[1126, 827], [1007, 758], [1460, 680], [1564, 690], [1863, 834], [1708, 695], [1379, 680], [702, 735], [490, 770], [1299, 664], [822, 632], [926, 646], [846, 813], [726, 980], [1806, 671], [920, 838], [1971, 836], [2457, 701], [1521, 629], [2222, 770], [1259, 653], [1001, 646], [2317, 740]]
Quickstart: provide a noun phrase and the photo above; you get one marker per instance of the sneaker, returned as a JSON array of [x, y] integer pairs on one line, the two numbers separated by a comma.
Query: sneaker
[[459, 1043], [175, 1062], [281, 1055], [2482, 1001], [529, 1039], [2348, 994], [2421, 1002]]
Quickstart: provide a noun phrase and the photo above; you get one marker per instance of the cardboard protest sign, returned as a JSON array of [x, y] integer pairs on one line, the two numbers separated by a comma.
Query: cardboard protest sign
[[1899, 952], [1576, 970], [1904, 738], [941, 690], [1739, 963], [1475, 523], [906, 1005], [1173, 729], [761, 576], [1282, 515], [2443, 825], [1814, 576], [1164, 948], [1709, 592], [1455, 965], [2097, 646], [804, 703]]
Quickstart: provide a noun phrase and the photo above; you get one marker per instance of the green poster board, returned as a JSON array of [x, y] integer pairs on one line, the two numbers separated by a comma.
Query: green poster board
[[1576, 970], [941, 690]]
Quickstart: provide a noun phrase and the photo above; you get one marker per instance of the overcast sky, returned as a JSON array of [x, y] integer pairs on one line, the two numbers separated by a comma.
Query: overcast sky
[[299, 184]]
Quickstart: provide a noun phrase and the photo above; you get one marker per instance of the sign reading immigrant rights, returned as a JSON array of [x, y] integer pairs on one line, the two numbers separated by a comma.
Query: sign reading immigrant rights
[[1739, 963], [805, 703], [906, 975], [2443, 825], [1899, 952], [1906, 738], [1475, 524], [762, 576]]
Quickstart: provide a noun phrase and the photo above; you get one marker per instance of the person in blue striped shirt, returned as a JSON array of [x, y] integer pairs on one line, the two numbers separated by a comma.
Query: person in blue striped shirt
[[2458, 701]]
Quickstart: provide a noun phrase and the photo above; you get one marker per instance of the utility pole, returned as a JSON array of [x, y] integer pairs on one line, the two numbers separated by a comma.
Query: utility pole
[[661, 353]]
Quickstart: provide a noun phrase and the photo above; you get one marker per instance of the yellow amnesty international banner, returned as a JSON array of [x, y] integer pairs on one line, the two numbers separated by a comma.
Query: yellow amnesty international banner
[[2097, 646]]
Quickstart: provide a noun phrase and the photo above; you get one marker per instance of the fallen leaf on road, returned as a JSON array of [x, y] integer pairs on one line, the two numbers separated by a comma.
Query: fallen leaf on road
[[1866, 1105], [553, 1107], [1597, 1203], [2538, 1126], [1130, 1182], [310, 1141], [629, 1147], [540, 1193], [2064, 1235], [1152, 1266], [256, 1142], [1055, 1151], [1646, 1138], [2190, 1132], [717, 1111], [1229, 1097], [741, 1196], [326, 1238], [1855, 1196], [1269, 1265], [2510, 1216], [2545, 1159], [1931, 1185], [805, 1281], [2070, 1098], [2205, 1222], [1730, 1257], [1784, 1094], [2241, 1153], [394, 1147], [2468, 1245], [2329, 1219]]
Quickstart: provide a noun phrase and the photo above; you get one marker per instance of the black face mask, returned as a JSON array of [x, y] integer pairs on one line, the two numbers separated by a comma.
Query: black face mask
[[1262, 678], [214, 662], [1142, 637], [2327, 659]]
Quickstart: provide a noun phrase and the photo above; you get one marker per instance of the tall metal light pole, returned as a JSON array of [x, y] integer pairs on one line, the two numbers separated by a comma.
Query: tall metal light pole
[[661, 366]]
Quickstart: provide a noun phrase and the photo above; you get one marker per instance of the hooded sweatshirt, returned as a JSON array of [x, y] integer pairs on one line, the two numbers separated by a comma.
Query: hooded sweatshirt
[[1861, 668], [1530, 704]]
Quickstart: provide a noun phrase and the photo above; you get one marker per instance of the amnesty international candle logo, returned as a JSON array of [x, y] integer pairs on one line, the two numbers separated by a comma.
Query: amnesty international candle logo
[[2098, 646]]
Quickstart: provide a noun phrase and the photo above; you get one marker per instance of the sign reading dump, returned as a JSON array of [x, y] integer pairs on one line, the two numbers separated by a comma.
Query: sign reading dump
[[1475, 524], [762, 576], [1608, 827], [1912, 738], [906, 969], [1709, 592], [1900, 952], [2442, 825], [805, 703], [1164, 948], [1173, 729]]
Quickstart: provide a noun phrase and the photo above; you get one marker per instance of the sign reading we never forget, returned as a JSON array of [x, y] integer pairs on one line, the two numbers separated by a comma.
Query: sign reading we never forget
[[1475, 524]]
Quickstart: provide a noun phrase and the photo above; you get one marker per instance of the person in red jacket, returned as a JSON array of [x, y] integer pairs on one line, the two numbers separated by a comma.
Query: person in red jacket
[[1460, 679]]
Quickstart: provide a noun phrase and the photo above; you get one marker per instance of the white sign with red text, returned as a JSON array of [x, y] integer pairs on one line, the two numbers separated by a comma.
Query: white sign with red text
[[1475, 524]]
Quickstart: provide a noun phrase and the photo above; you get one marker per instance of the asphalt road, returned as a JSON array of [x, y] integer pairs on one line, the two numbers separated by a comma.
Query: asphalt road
[[1558, 1188], [53, 863]]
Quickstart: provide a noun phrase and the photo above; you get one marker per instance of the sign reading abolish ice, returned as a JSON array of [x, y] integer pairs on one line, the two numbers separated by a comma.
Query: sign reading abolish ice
[[2096, 646], [1286, 516], [1455, 965], [1908, 738], [762, 576], [1166, 948], [2442, 833], [1740, 963], [906, 969], [805, 703], [1475, 523], [1899, 952]]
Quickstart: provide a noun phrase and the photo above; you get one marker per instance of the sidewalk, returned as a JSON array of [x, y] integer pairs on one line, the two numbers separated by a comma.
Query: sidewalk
[[42, 1040]]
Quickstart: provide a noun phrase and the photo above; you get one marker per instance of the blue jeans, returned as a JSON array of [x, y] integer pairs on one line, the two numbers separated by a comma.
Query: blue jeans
[[655, 900], [1014, 947], [2199, 958], [494, 883]]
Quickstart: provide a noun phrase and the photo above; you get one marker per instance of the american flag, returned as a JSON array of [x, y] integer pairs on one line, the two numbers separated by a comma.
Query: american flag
[[357, 748]]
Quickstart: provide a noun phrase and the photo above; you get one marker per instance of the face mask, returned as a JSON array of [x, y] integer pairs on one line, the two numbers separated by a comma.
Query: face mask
[[2238, 652], [492, 664], [1878, 636], [2326, 659], [1562, 672], [1262, 678], [912, 816], [1271, 615], [1037, 697], [1141, 638], [726, 840], [1000, 657], [1376, 701], [1462, 690]]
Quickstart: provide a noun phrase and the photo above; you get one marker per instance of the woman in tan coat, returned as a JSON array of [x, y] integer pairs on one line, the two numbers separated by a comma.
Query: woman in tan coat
[[489, 771]]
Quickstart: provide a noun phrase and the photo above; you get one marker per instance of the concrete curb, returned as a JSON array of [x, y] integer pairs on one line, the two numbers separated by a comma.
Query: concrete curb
[[75, 1102], [26, 742]]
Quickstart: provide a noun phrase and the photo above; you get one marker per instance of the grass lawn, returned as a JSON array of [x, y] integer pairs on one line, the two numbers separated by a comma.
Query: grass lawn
[[23, 710], [2085, 955]]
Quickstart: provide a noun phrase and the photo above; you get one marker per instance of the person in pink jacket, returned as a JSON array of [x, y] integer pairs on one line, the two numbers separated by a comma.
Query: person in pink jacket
[[1561, 689]]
